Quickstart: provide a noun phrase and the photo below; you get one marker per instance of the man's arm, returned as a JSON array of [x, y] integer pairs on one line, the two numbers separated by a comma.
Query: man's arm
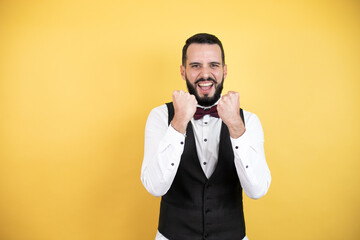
[[248, 146], [249, 157], [164, 144], [163, 149]]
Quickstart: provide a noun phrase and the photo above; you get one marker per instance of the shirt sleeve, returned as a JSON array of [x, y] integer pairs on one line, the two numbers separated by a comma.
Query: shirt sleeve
[[249, 155], [163, 149]]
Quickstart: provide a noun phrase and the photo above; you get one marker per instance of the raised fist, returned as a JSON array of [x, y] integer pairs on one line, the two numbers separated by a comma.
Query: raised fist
[[229, 112], [185, 108]]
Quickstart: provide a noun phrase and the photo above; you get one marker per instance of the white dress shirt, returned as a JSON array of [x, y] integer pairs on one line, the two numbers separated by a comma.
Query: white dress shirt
[[164, 147]]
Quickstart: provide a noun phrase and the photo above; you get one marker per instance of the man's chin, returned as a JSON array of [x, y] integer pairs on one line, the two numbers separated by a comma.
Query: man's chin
[[206, 101], [206, 96]]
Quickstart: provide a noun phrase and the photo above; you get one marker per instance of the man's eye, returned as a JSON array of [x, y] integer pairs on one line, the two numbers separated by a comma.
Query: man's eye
[[214, 65], [195, 66]]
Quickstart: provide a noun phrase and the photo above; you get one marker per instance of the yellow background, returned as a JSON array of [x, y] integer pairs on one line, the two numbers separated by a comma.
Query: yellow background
[[79, 78]]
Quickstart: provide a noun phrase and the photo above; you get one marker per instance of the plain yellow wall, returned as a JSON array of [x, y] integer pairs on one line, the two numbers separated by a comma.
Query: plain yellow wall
[[79, 78]]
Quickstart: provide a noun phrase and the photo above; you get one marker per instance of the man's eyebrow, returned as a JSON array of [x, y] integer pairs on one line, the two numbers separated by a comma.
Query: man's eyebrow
[[197, 63]]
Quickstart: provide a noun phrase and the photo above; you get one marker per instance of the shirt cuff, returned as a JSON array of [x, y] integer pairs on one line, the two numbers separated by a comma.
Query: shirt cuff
[[175, 136], [240, 146], [174, 147]]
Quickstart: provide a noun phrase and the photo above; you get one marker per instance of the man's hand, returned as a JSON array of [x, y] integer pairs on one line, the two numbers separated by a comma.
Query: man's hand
[[229, 111], [185, 108]]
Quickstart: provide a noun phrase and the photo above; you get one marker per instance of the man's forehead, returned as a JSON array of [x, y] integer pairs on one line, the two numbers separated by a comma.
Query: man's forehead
[[202, 52]]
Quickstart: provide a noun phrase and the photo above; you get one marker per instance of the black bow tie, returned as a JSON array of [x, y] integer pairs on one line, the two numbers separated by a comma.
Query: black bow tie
[[200, 112]]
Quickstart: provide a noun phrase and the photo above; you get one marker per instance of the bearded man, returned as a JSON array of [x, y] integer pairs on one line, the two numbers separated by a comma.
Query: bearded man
[[202, 150]]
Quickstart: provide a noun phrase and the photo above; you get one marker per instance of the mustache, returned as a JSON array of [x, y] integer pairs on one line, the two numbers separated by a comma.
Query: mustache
[[203, 80]]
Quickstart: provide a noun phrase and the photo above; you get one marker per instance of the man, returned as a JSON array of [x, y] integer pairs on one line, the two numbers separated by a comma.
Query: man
[[202, 150]]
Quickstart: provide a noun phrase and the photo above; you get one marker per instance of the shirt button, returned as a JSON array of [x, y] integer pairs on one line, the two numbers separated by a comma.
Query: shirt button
[[205, 140], [236, 147], [172, 164], [246, 166], [206, 122], [204, 163], [181, 142]]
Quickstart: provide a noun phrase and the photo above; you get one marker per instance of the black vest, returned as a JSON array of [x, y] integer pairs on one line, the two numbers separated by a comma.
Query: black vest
[[197, 208]]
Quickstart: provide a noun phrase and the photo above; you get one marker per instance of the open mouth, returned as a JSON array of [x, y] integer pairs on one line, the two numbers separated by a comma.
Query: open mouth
[[205, 87]]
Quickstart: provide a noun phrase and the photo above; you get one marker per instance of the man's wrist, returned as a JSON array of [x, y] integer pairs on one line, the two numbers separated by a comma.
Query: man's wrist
[[236, 133], [179, 126], [237, 128]]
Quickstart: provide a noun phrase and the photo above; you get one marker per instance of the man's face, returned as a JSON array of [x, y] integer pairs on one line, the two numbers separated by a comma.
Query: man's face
[[204, 72]]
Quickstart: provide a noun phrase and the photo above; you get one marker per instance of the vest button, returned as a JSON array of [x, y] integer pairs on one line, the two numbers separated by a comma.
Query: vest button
[[207, 210]]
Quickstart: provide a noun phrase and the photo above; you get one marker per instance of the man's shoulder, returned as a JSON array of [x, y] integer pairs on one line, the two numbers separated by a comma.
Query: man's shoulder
[[162, 109], [159, 113], [249, 116], [247, 113]]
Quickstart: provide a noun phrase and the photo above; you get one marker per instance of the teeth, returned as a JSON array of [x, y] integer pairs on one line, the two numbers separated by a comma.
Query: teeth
[[205, 84]]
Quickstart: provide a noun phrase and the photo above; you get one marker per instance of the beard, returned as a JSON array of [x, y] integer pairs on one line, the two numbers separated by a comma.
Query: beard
[[206, 100]]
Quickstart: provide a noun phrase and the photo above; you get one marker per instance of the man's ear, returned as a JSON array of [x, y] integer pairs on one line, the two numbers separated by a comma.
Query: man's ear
[[225, 71], [182, 71]]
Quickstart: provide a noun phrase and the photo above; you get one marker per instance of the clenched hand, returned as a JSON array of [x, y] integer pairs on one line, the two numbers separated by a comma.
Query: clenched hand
[[185, 108], [229, 111]]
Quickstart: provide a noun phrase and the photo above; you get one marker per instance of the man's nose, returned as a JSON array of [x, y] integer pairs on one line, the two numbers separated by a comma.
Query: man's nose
[[205, 73]]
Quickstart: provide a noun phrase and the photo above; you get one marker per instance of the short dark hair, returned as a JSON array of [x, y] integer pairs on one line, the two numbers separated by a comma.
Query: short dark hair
[[202, 38]]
